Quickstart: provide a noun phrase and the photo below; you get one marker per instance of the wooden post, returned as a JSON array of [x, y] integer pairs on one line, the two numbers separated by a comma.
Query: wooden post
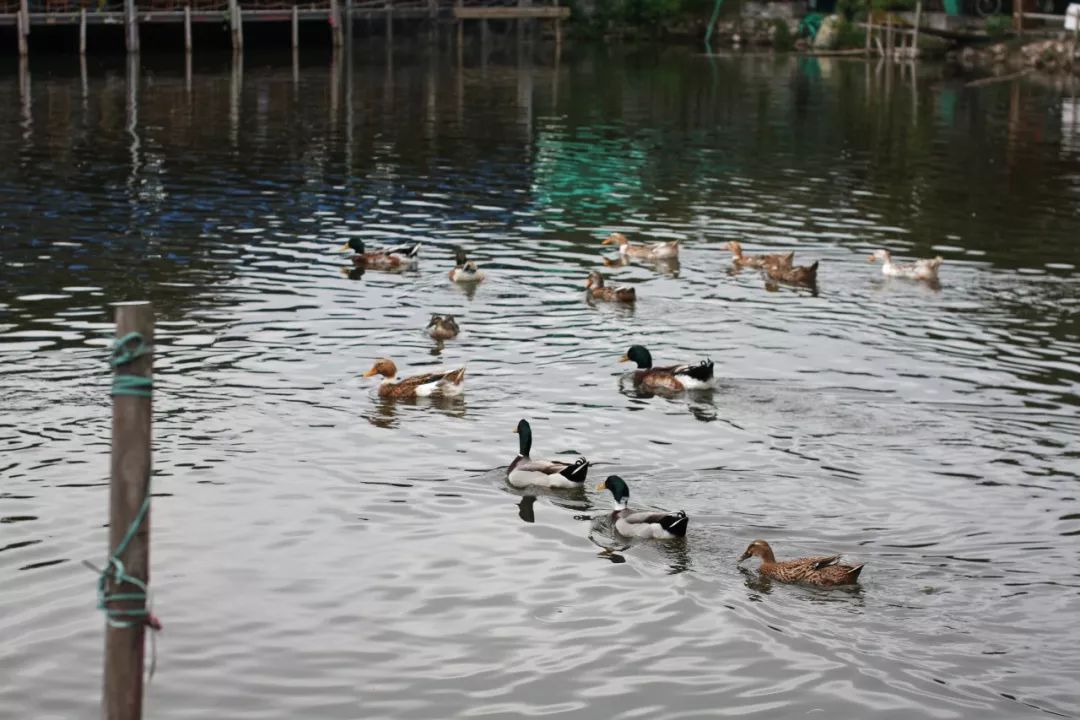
[[1018, 16], [869, 30], [82, 31], [558, 32], [918, 22], [335, 24], [295, 27], [236, 22], [889, 38], [389, 21], [130, 473], [131, 22], [22, 27], [187, 29], [460, 29]]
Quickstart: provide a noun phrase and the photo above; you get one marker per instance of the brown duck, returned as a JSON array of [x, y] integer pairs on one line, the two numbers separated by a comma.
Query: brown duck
[[795, 275], [824, 570], [443, 327], [392, 259], [757, 261], [443, 383], [597, 290]]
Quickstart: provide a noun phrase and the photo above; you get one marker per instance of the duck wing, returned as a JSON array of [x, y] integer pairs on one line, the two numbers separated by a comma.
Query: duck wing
[[674, 522], [702, 372], [413, 383], [410, 251]]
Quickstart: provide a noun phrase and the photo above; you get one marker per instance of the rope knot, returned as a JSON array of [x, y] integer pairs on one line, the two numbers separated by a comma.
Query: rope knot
[[126, 350]]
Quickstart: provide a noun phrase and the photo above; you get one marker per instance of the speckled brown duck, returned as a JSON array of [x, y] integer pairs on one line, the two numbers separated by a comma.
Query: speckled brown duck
[[443, 327], [399, 258], [598, 291], [794, 274], [652, 251], [739, 259], [824, 570], [440, 383]]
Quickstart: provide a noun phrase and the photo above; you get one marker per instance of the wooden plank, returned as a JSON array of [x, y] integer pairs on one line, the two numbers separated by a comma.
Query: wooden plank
[[511, 13], [130, 473]]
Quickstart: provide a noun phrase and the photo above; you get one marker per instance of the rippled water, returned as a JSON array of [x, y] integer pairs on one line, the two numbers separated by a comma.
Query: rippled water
[[320, 553]]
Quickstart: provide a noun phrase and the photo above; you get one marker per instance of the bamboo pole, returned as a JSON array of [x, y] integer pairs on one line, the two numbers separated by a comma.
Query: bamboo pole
[[889, 40], [335, 24], [187, 29], [130, 473], [389, 21], [236, 23], [82, 31], [869, 30], [22, 27], [460, 30], [131, 22], [295, 27], [918, 22]]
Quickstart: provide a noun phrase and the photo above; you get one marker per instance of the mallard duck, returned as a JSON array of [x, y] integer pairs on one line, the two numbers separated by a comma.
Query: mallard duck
[[756, 261], [824, 570], [794, 274], [442, 327], [925, 269], [444, 383], [465, 270], [529, 472], [642, 523], [673, 377], [403, 257], [652, 251], [597, 291]]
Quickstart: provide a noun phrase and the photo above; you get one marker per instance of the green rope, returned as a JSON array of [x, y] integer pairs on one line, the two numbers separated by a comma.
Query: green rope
[[125, 350], [712, 24]]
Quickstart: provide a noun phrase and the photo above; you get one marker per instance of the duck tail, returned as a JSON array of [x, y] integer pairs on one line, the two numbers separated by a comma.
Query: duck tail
[[676, 523], [702, 371], [853, 573], [811, 271], [414, 251]]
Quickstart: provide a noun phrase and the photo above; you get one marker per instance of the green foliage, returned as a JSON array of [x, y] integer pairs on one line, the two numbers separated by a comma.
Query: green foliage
[[649, 12], [783, 39], [998, 25], [848, 36], [852, 9]]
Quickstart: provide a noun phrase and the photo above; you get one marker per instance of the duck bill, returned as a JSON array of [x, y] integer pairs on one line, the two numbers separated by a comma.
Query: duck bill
[[344, 248], [609, 241], [624, 359], [515, 431], [372, 372], [601, 486], [871, 259], [744, 556]]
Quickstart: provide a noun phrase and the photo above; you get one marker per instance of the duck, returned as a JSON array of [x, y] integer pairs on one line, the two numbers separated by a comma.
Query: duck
[[756, 261], [794, 274], [824, 570], [526, 471], [403, 257], [652, 251], [465, 270], [673, 377], [923, 269], [658, 525], [444, 383], [597, 290], [442, 327]]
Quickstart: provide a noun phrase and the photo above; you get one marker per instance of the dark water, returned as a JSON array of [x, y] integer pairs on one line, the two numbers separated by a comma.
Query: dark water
[[319, 553]]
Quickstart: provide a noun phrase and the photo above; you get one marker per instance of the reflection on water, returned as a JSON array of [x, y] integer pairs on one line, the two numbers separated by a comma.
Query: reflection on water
[[320, 551]]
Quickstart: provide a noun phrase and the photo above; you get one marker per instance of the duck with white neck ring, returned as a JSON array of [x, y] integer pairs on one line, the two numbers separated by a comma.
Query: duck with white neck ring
[[642, 523], [526, 471], [923, 269]]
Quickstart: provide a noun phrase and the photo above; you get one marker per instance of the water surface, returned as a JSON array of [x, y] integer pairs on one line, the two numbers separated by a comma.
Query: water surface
[[320, 553]]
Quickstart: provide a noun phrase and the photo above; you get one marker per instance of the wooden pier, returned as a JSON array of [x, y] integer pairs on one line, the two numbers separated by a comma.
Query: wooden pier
[[337, 16]]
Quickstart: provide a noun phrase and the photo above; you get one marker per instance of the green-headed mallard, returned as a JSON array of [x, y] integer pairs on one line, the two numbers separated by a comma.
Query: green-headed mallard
[[673, 377], [756, 261], [444, 383], [597, 290], [465, 270], [652, 251], [442, 327], [526, 471], [924, 269], [403, 257], [642, 523], [824, 570]]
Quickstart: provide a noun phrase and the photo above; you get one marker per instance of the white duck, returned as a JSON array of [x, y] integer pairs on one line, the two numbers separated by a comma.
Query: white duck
[[925, 269]]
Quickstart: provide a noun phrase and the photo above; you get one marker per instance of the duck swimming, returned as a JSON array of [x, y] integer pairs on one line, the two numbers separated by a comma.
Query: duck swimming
[[403, 257], [441, 383], [642, 523], [442, 327], [465, 270], [794, 274], [824, 570], [673, 377], [756, 261], [652, 251], [924, 269], [597, 290], [526, 471]]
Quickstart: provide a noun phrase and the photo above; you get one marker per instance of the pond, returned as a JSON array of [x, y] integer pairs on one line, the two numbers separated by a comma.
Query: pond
[[319, 552]]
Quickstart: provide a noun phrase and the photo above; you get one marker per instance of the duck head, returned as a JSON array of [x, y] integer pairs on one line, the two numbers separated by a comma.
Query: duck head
[[734, 246], [524, 431], [619, 490], [615, 238], [460, 258], [758, 548], [355, 245], [638, 354], [443, 325], [882, 255], [384, 367], [596, 280]]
